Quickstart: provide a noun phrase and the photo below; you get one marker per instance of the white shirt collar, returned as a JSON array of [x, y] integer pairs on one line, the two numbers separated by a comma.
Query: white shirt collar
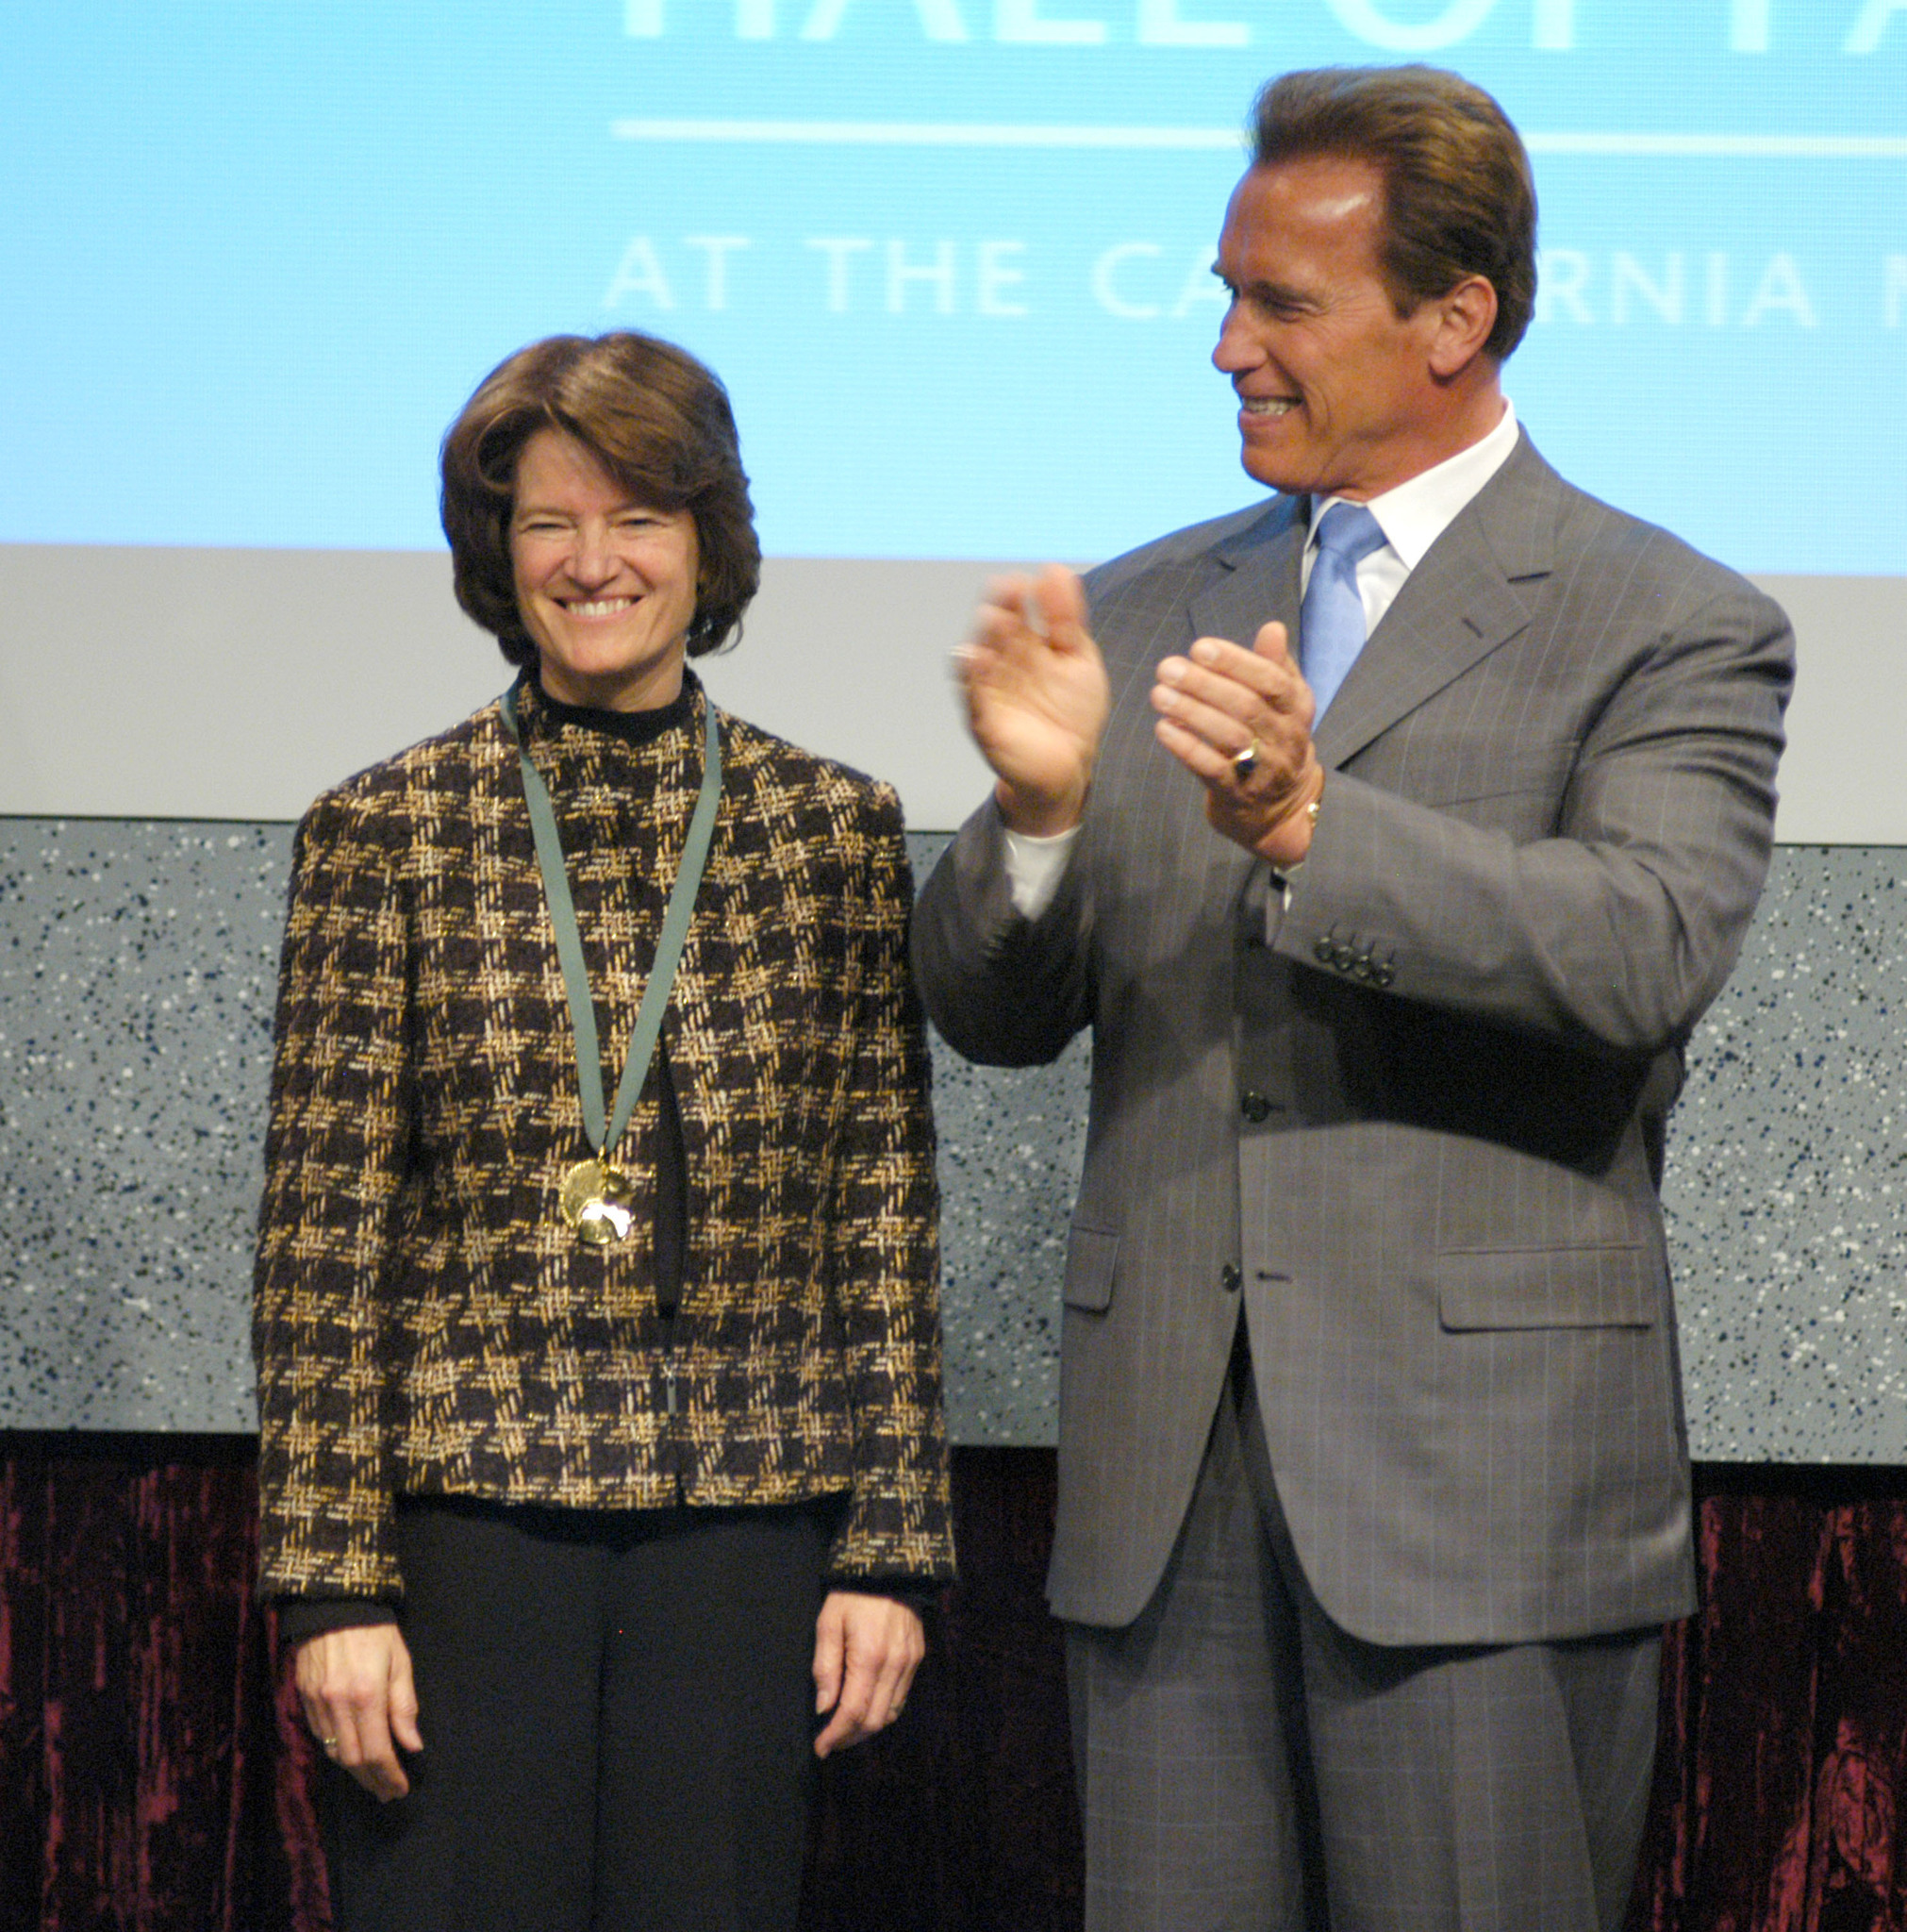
[[1414, 514]]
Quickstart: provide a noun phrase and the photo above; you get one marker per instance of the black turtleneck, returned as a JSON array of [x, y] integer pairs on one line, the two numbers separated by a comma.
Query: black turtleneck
[[632, 728]]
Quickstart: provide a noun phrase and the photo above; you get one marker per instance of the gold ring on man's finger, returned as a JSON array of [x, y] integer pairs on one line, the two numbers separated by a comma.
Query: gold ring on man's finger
[[1245, 762]]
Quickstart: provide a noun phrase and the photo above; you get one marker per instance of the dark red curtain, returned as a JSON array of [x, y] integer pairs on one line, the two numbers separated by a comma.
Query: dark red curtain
[[153, 1777]]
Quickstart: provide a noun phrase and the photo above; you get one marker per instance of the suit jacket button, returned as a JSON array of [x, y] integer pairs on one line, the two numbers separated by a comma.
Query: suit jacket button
[[1381, 974], [1323, 952], [1255, 1107], [1342, 957], [1230, 1279]]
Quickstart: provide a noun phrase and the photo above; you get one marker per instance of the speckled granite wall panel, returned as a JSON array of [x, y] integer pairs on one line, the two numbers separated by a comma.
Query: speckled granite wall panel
[[1787, 1175], [136, 963], [136, 969]]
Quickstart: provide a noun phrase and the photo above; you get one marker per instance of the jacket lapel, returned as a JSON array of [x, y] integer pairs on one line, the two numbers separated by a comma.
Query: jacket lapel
[[1246, 578], [1468, 595], [1254, 578]]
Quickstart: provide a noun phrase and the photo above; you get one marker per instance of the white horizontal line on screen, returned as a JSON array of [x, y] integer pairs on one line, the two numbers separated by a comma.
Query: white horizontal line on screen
[[1730, 147], [1777, 147], [925, 134]]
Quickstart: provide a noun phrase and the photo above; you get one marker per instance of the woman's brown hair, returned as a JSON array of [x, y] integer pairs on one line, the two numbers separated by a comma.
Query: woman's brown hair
[[656, 420]]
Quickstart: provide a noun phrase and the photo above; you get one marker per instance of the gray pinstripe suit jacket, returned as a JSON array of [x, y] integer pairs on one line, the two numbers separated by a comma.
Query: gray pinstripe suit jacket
[[1413, 1118]]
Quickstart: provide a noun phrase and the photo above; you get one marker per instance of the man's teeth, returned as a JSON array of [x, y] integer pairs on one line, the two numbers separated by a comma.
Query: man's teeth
[[1268, 406]]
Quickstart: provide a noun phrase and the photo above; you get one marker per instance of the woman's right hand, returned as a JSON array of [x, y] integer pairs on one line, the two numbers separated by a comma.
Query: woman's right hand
[[360, 1702]]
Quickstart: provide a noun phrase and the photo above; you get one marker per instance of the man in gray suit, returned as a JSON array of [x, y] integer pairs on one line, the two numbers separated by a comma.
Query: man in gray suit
[[1373, 1474]]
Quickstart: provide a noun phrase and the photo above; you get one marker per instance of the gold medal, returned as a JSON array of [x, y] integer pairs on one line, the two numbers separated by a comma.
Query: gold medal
[[598, 1202]]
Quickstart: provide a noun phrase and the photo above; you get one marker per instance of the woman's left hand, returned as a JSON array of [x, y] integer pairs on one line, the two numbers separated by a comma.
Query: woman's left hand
[[866, 1649]]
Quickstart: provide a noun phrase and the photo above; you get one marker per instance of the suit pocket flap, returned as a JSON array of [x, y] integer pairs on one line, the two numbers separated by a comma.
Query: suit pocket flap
[[1090, 1252], [1548, 1288]]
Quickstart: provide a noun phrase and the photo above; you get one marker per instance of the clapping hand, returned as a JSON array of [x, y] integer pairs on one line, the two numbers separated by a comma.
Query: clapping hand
[[1036, 698], [1240, 722]]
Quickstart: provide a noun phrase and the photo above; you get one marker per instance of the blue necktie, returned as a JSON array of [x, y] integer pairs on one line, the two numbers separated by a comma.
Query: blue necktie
[[1330, 623]]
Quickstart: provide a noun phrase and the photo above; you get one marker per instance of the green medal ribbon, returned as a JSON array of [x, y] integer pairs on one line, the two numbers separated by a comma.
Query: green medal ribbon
[[596, 1197]]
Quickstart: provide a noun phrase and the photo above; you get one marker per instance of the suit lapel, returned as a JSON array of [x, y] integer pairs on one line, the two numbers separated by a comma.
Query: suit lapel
[[1254, 578], [1468, 595], [1249, 577]]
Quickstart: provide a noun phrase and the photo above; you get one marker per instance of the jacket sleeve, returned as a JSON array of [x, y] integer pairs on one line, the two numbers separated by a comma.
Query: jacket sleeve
[[1003, 989], [1615, 930], [883, 1244], [335, 1158]]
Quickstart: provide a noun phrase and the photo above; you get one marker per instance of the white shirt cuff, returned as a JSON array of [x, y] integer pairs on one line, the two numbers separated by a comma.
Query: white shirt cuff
[[1034, 867]]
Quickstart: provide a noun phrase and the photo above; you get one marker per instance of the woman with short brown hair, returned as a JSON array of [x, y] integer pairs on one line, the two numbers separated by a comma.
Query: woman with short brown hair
[[600, 1439]]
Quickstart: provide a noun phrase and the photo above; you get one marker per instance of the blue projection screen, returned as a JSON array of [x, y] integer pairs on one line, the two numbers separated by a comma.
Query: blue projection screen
[[952, 258]]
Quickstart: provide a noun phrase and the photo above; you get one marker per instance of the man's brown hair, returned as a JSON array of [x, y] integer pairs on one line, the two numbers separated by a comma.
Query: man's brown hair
[[1459, 199]]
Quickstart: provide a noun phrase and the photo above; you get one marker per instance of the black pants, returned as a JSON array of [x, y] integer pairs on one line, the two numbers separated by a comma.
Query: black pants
[[617, 1713]]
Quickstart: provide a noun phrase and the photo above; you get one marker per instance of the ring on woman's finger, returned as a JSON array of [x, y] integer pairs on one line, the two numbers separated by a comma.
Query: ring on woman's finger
[[1245, 762], [327, 1743]]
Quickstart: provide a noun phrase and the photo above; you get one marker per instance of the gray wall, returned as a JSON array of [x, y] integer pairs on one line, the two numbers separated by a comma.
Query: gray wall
[[136, 980], [237, 684]]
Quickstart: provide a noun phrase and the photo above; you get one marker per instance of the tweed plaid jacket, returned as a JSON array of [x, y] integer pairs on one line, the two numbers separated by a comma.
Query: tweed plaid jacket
[[426, 1322]]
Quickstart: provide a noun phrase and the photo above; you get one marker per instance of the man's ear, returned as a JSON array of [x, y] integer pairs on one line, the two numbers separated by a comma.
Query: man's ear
[[1466, 314]]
